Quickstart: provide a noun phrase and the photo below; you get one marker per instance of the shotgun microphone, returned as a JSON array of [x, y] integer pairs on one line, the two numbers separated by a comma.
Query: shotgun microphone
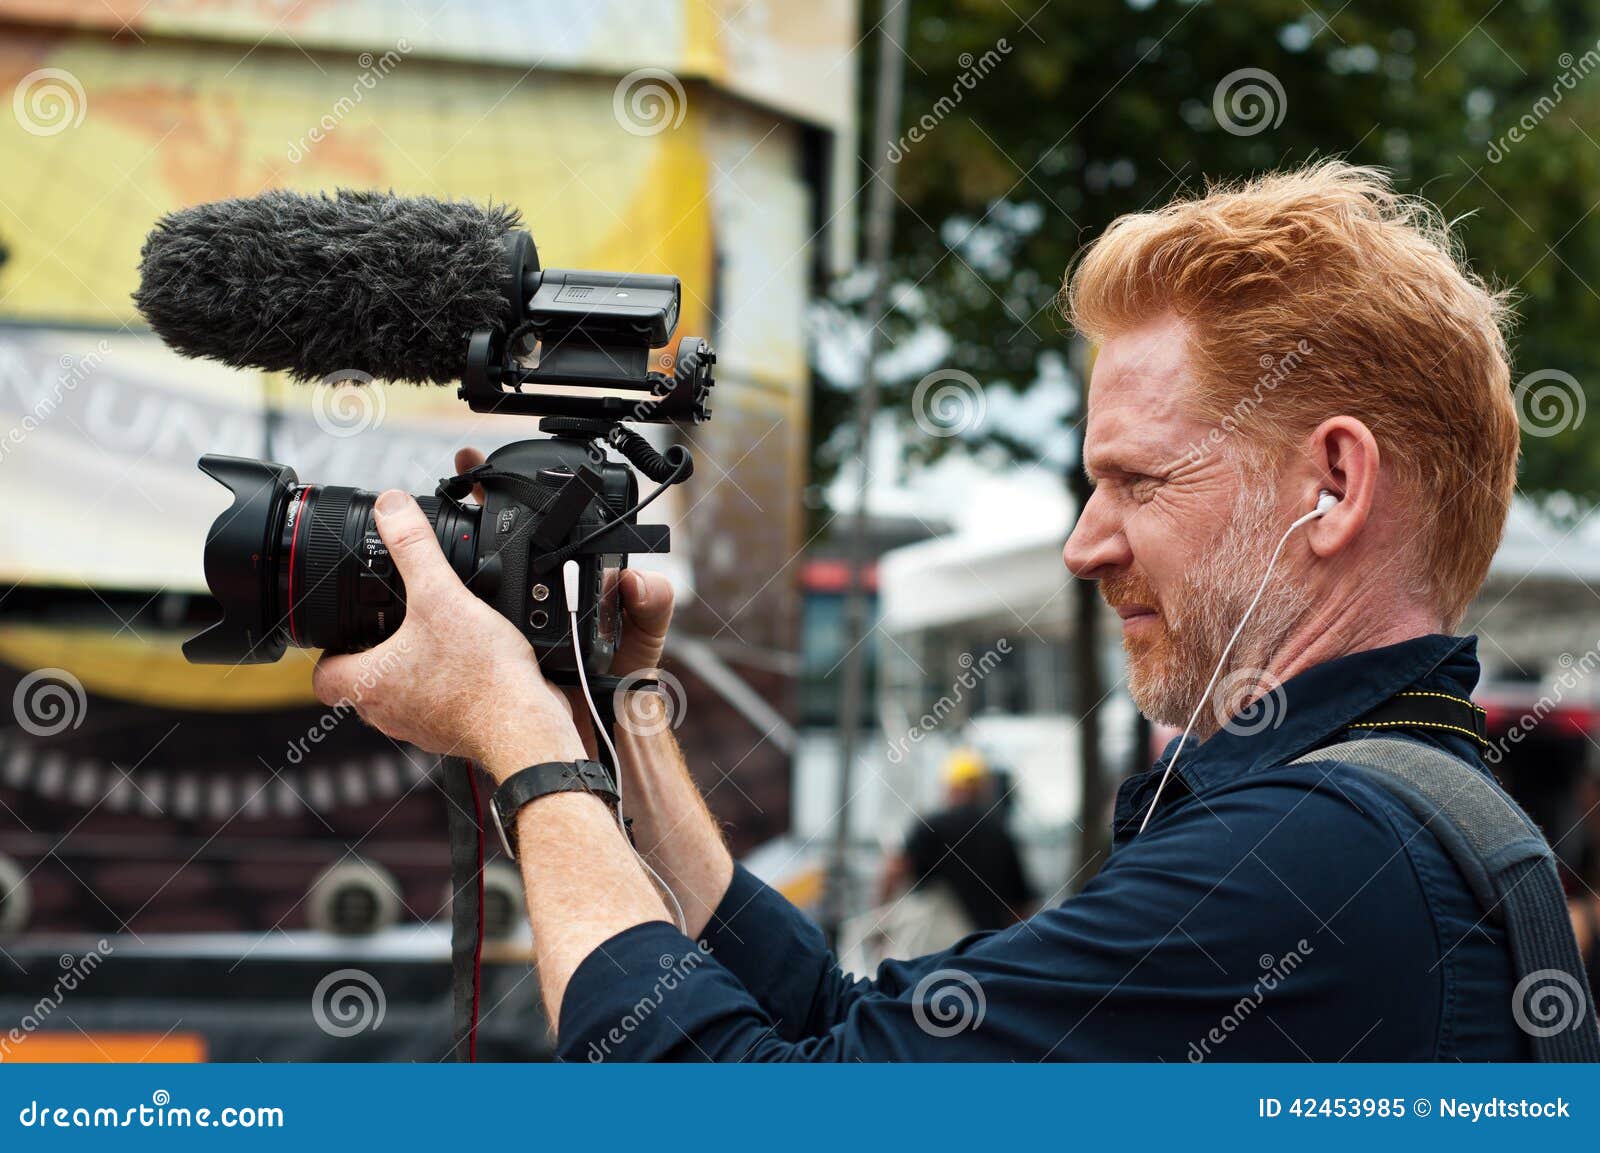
[[369, 285], [315, 285]]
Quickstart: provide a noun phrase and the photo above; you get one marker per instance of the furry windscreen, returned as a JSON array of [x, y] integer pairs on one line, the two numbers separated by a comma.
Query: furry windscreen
[[316, 285]]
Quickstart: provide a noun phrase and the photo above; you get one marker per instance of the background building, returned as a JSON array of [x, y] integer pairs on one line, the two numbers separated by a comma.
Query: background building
[[205, 817]]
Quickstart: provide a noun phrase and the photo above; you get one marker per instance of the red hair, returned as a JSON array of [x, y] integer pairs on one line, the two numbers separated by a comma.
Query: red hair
[[1361, 300]]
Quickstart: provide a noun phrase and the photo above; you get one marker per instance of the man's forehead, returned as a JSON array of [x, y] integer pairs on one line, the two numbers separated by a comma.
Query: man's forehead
[[1132, 441], [1141, 405]]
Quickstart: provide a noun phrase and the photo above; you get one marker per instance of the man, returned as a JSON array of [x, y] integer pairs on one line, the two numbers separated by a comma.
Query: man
[[1305, 333], [962, 859]]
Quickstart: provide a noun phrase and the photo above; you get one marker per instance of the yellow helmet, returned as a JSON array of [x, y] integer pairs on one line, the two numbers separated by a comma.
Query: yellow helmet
[[965, 766]]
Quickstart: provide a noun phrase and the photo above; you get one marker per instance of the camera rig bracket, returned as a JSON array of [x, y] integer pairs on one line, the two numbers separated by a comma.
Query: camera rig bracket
[[587, 331]]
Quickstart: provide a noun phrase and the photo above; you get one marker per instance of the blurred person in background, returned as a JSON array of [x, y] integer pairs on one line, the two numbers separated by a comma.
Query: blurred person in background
[[963, 857], [959, 871]]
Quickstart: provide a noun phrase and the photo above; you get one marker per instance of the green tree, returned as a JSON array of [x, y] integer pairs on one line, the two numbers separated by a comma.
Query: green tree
[[1090, 109]]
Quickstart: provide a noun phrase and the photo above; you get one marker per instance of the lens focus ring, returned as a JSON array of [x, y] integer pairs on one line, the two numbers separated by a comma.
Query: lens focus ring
[[325, 551]]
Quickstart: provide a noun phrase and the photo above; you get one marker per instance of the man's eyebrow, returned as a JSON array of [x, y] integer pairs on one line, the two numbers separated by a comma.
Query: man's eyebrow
[[1101, 466], [1133, 460]]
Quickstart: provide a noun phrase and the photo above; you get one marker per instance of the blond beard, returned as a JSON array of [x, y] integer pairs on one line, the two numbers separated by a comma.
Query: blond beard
[[1168, 670]]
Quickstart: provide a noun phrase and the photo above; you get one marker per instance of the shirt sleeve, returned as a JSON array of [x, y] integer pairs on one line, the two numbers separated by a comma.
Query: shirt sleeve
[[1225, 933], [781, 959]]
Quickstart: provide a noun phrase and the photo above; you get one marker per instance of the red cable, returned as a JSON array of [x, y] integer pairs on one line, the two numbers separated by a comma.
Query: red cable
[[477, 948]]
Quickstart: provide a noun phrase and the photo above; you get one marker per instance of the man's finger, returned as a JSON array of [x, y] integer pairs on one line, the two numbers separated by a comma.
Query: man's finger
[[647, 599], [417, 556], [469, 458], [647, 603]]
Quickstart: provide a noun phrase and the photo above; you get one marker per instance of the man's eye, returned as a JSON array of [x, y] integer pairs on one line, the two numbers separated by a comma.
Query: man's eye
[[1144, 487]]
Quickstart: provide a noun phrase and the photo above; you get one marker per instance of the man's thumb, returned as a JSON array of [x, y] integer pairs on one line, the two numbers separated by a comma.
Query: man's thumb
[[409, 537]]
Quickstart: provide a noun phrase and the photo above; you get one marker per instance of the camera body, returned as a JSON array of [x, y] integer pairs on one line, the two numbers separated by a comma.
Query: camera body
[[303, 564], [531, 596], [320, 576]]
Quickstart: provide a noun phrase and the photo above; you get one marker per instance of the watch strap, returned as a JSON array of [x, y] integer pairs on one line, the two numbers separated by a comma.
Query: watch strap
[[608, 685], [541, 780]]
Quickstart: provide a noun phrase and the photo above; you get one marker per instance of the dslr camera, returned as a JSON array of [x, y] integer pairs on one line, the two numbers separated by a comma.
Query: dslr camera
[[302, 564]]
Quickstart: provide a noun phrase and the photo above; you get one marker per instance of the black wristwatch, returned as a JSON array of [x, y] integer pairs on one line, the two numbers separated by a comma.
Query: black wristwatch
[[541, 780]]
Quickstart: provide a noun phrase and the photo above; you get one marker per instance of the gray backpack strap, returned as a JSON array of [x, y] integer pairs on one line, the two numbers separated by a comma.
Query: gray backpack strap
[[1511, 871]]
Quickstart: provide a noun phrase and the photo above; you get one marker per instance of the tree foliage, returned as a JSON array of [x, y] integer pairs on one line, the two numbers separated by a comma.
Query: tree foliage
[[1099, 107]]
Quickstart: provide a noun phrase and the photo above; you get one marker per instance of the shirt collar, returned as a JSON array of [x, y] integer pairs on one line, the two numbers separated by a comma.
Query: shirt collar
[[1309, 710]]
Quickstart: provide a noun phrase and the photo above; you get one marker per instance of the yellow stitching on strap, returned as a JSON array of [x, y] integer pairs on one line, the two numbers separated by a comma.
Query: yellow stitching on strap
[[1441, 696], [1421, 724]]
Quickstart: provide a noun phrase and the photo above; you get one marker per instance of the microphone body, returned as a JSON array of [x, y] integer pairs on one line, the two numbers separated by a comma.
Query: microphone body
[[314, 285]]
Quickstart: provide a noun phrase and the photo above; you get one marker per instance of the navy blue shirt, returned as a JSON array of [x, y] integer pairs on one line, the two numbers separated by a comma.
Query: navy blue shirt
[[1269, 912]]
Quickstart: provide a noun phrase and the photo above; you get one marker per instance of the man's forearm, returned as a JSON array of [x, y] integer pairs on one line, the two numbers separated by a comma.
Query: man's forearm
[[582, 884], [671, 825], [582, 881], [580, 878]]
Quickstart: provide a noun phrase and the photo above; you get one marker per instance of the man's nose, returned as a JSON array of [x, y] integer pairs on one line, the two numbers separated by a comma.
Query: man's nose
[[1096, 547]]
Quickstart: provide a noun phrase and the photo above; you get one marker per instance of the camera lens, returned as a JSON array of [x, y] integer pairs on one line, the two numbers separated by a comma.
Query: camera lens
[[335, 580], [303, 565]]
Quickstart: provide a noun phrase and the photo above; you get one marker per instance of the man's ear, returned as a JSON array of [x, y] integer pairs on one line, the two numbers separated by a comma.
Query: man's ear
[[1343, 459]]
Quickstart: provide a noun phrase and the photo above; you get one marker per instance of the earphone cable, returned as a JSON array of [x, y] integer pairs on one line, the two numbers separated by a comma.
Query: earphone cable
[[1205, 697]]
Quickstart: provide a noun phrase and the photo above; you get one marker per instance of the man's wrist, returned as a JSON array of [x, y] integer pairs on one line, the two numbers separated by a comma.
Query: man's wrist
[[509, 752]]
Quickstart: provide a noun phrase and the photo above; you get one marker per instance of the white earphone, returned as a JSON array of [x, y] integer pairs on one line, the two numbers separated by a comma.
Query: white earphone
[[1325, 502]]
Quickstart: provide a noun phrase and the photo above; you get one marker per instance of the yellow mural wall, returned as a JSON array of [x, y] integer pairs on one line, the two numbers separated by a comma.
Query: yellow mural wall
[[164, 125], [121, 111]]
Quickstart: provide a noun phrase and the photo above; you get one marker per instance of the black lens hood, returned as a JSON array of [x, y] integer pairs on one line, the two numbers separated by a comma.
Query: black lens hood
[[239, 563]]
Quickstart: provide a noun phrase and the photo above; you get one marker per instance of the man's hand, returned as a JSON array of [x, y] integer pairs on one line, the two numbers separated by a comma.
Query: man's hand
[[456, 678], [580, 877], [646, 605]]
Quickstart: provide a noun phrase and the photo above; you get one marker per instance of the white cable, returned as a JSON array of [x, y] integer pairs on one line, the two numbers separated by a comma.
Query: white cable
[[569, 576], [1323, 505]]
